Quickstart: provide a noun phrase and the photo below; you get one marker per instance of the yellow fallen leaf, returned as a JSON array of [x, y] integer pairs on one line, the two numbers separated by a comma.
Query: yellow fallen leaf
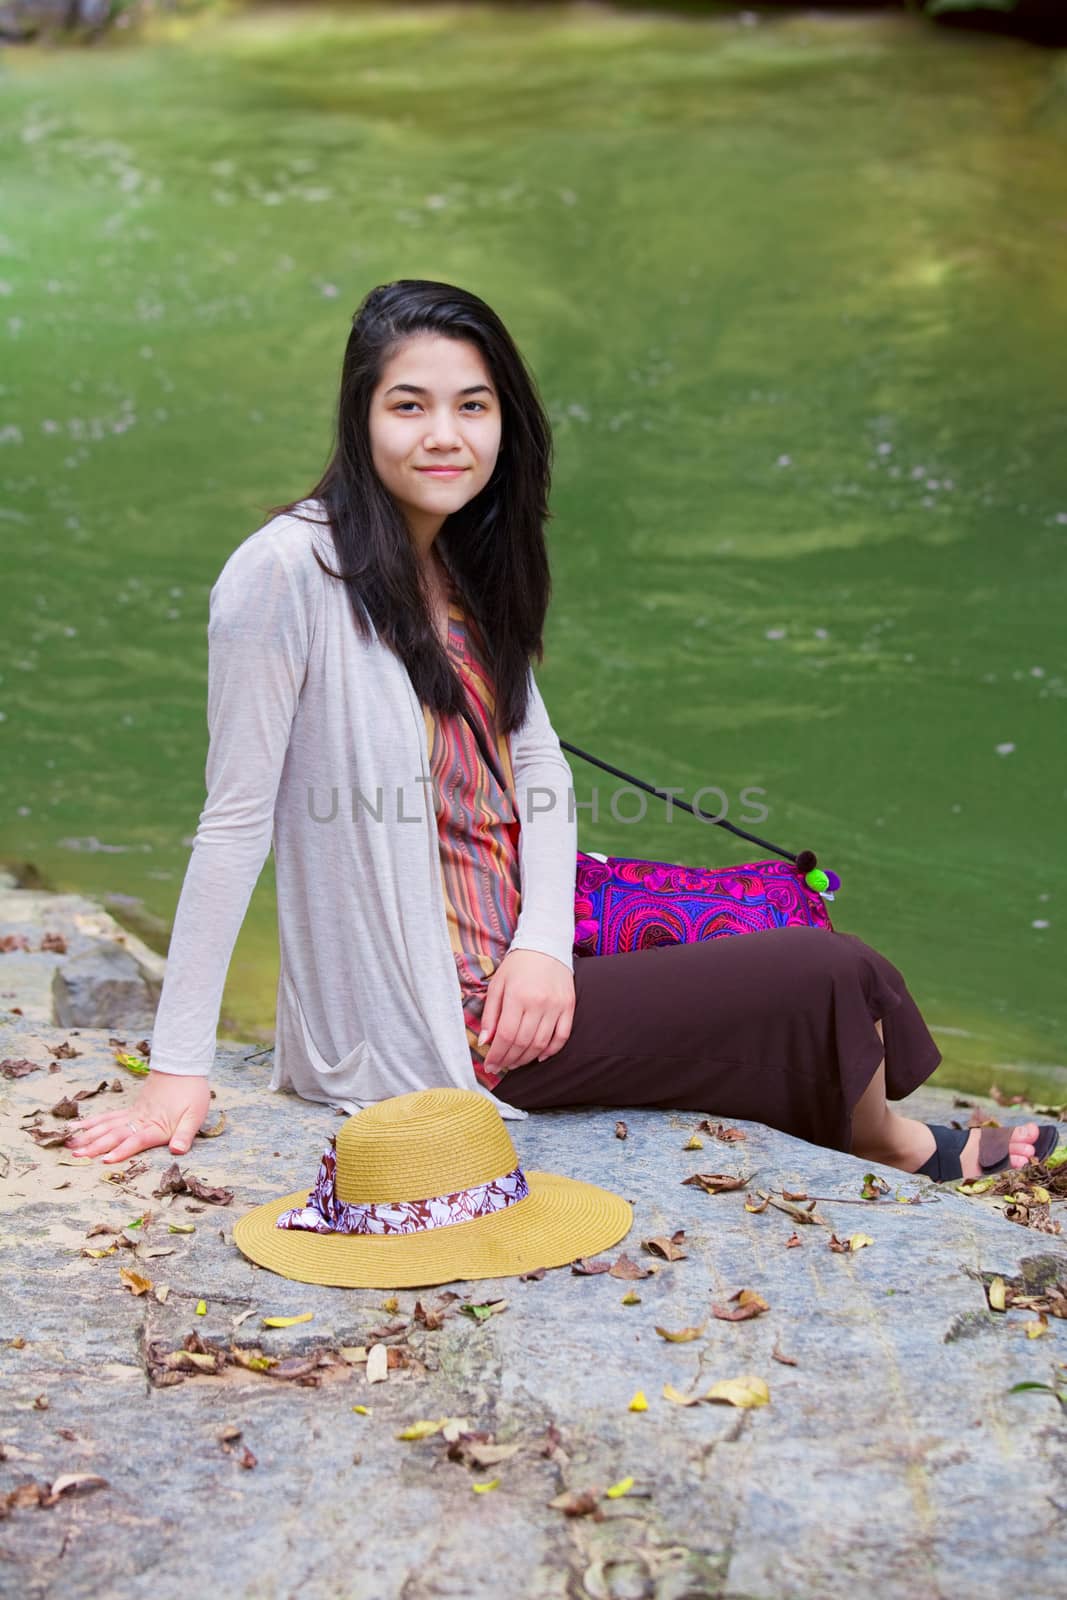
[[679, 1399], [110, 1251], [392, 1305], [617, 1490], [1040, 1196], [694, 1144], [975, 1185], [423, 1430], [682, 1336], [639, 1403], [996, 1294], [183, 1227], [1034, 1330], [135, 1064], [857, 1241], [201, 1308], [631, 1299], [744, 1391], [354, 1353], [484, 1488], [287, 1322], [134, 1281], [364, 1411]]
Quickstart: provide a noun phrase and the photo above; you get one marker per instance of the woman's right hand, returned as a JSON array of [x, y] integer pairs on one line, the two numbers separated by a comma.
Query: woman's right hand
[[168, 1110]]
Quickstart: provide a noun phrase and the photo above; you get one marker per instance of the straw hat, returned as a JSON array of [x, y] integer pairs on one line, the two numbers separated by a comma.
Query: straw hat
[[427, 1188]]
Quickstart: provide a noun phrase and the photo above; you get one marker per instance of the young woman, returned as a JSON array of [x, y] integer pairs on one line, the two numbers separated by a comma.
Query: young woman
[[373, 714]]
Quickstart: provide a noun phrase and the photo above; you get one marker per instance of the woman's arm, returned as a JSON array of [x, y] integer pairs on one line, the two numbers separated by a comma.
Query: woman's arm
[[548, 836], [257, 655]]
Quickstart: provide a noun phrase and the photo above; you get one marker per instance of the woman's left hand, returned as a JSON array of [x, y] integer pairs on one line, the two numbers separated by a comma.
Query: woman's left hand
[[529, 1006]]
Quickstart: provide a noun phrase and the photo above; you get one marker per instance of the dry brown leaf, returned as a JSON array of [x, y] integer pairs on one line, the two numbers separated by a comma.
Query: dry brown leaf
[[215, 1129], [533, 1277], [788, 1361], [715, 1182], [18, 1067], [575, 1503], [73, 1483], [670, 1249], [175, 1181], [719, 1130], [621, 1130], [584, 1268], [627, 1269]]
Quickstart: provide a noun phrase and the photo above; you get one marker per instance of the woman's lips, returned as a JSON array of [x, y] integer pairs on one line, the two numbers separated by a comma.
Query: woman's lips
[[441, 472]]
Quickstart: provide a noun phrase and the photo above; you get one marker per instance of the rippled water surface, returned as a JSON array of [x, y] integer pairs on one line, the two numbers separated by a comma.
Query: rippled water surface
[[794, 294]]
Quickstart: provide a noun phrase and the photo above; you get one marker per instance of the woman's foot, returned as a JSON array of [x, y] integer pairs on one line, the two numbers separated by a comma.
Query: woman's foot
[[909, 1144]]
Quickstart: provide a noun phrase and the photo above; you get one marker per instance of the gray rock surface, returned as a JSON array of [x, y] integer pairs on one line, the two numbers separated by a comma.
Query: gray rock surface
[[101, 987], [80, 967], [891, 1460]]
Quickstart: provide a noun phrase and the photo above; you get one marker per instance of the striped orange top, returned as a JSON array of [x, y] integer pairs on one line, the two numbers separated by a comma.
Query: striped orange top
[[477, 826]]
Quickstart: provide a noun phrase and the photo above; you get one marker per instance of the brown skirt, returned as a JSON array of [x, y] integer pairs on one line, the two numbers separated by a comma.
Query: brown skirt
[[776, 1027]]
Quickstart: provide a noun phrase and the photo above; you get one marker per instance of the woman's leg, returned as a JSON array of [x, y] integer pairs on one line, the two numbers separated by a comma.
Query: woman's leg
[[776, 1026], [883, 1135]]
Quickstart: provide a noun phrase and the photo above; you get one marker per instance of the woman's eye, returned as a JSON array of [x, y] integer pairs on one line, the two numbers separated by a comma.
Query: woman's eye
[[405, 403]]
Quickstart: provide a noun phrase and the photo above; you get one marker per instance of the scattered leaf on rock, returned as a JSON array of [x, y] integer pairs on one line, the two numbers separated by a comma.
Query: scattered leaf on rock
[[756, 1205], [201, 1308], [377, 1363], [133, 1064], [678, 1398], [362, 1411], [484, 1488], [18, 1067], [481, 1313], [715, 1182], [744, 1391], [787, 1361], [630, 1298], [134, 1281], [617, 1490], [628, 1269], [215, 1129], [175, 1181], [585, 1268], [683, 1335], [575, 1503], [533, 1277], [719, 1130], [670, 1249], [638, 1403], [287, 1322], [749, 1304], [873, 1186], [621, 1130]]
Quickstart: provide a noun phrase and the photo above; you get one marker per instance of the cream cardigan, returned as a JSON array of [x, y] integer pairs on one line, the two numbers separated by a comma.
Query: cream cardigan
[[318, 745]]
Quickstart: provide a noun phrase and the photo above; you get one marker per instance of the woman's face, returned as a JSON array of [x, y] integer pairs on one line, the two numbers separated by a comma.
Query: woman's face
[[434, 430]]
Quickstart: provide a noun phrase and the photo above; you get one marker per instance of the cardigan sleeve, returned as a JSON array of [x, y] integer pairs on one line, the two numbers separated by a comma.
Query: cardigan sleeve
[[548, 836], [257, 656]]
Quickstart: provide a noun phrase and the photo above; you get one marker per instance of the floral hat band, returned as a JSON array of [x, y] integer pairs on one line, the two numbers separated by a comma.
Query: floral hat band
[[325, 1213]]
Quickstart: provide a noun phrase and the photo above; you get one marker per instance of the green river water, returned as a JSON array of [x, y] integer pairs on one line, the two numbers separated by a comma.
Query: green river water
[[795, 296]]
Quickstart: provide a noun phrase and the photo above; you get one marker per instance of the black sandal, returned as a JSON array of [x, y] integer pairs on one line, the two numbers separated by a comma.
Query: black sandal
[[944, 1165]]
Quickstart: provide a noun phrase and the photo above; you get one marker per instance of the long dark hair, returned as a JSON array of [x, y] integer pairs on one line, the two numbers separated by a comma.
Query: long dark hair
[[494, 546]]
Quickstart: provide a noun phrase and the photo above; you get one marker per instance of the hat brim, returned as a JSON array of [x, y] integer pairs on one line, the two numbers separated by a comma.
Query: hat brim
[[560, 1220]]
